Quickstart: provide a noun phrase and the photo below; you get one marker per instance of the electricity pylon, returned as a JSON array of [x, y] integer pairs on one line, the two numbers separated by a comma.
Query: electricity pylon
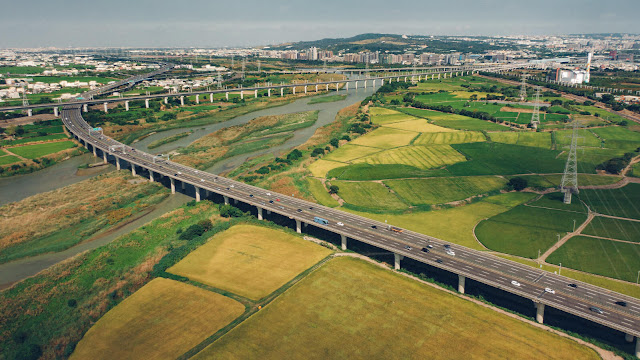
[[569, 184], [535, 118], [523, 88]]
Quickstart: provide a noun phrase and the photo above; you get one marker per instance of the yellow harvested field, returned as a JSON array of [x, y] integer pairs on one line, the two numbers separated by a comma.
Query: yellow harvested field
[[467, 94], [321, 167], [349, 152], [422, 157], [391, 118], [386, 138], [381, 111], [162, 320], [458, 137], [251, 261], [419, 125], [352, 309]]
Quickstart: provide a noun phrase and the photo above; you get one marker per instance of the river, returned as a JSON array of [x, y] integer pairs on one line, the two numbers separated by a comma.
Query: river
[[64, 173]]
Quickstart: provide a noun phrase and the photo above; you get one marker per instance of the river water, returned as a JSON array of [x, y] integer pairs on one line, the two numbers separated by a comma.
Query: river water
[[64, 173]]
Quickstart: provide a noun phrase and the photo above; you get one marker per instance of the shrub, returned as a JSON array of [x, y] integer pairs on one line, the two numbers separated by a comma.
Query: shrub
[[333, 189], [191, 232], [230, 211], [72, 303], [294, 154], [206, 224], [335, 142], [517, 183]]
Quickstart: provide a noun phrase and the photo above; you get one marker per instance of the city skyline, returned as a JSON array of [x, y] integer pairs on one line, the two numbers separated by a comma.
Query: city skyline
[[157, 24]]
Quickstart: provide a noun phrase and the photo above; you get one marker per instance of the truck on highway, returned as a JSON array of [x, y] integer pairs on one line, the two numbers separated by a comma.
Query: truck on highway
[[320, 220], [396, 229]]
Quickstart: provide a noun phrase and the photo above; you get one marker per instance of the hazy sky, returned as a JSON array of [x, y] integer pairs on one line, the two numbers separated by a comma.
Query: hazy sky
[[214, 23]]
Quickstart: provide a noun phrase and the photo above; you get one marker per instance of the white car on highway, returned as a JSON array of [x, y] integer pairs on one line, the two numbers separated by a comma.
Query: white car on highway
[[450, 252], [513, 282], [340, 224], [550, 290]]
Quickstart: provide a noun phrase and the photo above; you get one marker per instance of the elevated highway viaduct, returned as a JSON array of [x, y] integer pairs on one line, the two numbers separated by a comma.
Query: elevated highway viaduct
[[544, 289]]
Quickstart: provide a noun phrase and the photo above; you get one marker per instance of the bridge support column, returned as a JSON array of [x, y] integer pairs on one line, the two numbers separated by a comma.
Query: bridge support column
[[106, 109], [281, 92], [117, 163], [638, 347], [133, 169], [241, 94], [396, 261], [29, 112], [305, 89], [55, 111], [268, 92], [181, 100], [316, 87], [173, 185], [365, 83], [182, 184], [85, 108], [226, 95], [628, 338], [356, 85], [268, 212], [294, 90], [260, 213], [166, 100], [255, 93], [197, 98], [327, 87], [343, 240], [211, 97], [438, 76], [298, 226], [337, 85], [197, 193], [146, 103], [461, 281], [95, 154], [226, 199], [381, 82], [126, 106], [151, 175], [104, 157], [540, 313]]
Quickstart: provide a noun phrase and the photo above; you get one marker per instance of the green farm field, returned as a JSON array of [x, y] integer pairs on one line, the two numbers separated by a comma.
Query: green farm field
[[8, 159], [541, 139], [614, 229], [248, 260], [364, 171], [320, 193], [525, 230], [162, 320], [443, 190], [609, 258], [369, 195], [321, 167], [421, 157], [39, 150], [623, 202], [418, 125], [351, 299], [349, 152]]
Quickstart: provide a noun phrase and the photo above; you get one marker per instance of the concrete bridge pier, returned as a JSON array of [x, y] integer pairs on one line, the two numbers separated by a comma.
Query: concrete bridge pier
[[211, 97], [166, 100], [346, 86], [106, 109], [305, 89], [294, 90], [298, 226], [182, 184], [316, 87], [381, 82], [85, 108], [540, 313], [637, 347], [173, 185], [95, 154], [151, 175], [197, 193], [365, 83], [255, 93], [55, 111], [226, 199], [438, 76], [226, 95], [405, 79], [281, 92], [343, 240], [29, 112], [396, 261], [117, 163], [235, 201], [356, 84], [104, 157], [181, 100], [197, 98], [461, 281], [337, 86], [269, 92], [241, 94], [146, 103], [133, 169], [628, 338], [268, 212], [126, 106], [398, 79], [260, 214]]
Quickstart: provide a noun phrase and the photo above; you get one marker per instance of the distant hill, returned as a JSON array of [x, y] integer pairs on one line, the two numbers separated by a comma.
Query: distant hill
[[393, 43]]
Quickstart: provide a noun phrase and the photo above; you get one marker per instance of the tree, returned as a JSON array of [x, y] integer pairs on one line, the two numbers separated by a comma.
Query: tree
[[517, 183], [230, 211], [295, 154], [334, 142], [333, 189], [555, 102], [317, 151]]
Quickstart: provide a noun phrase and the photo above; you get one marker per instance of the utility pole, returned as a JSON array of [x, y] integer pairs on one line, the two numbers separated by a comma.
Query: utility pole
[[243, 65]]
